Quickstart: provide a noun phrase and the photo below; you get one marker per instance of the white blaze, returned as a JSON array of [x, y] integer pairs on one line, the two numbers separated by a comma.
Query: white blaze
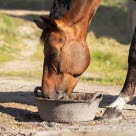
[[119, 103]]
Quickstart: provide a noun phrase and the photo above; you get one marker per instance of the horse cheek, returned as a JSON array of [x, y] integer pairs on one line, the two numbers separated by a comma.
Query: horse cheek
[[75, 58]]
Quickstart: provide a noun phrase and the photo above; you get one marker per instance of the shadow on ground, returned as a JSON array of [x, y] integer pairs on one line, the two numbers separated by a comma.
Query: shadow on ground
[[25, 115], [28, 98], [21, 115], [30, 17], [17, 97], [110, 22], [25, 4]]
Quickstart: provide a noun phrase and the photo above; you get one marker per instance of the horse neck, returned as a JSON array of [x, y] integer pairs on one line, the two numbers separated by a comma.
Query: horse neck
[[79, 16]]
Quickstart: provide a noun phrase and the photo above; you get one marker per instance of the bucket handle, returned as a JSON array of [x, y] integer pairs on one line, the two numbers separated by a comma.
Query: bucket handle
[[96, 96], [36, 90]]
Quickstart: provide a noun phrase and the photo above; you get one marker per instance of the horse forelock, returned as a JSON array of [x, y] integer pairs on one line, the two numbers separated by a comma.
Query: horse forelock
[[46, 32], [59, 8]]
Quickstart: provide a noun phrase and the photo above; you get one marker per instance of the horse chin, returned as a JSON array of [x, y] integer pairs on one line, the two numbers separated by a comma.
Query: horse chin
[[62, 97], [57, 96]]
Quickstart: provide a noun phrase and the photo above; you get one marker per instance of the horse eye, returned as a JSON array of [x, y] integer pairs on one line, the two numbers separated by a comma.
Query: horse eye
[[61, 40], [52, 38], [53, 54]]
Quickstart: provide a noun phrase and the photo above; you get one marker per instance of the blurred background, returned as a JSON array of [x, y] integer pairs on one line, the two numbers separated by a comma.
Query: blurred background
[[109, 38]]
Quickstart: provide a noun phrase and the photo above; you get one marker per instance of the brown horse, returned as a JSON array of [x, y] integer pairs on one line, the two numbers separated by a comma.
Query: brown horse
[[66, 54], [65, 48]]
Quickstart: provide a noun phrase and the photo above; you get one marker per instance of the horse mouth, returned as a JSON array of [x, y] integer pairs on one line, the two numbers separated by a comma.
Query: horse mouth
[[58, 96]]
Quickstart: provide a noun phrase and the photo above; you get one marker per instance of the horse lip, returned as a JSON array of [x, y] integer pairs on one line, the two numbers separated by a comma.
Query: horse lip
[[60, 96]]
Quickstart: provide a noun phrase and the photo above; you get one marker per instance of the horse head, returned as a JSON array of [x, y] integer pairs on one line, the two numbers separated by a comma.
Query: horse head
[[66, 54], [65, 59]]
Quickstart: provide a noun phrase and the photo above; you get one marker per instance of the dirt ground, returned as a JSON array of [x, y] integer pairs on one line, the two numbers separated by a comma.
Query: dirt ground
[[19, 116]]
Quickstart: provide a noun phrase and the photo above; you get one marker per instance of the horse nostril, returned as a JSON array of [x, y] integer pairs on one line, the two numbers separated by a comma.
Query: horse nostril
[[62, 98], [60, 95], [57, 92], [48, 97]]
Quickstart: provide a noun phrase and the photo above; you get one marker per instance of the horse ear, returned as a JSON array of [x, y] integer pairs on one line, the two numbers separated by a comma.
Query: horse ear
[[49, 22], [40, 24], [46, 22]]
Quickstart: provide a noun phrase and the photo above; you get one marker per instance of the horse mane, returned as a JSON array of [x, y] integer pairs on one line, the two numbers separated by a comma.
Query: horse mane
[[59, 8]]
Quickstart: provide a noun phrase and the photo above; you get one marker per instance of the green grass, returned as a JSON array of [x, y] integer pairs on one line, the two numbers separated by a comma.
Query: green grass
[[8, 37], [117, 3], [109, 61], [23, 74], [108, 41], [11, 37], [38, 55]]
